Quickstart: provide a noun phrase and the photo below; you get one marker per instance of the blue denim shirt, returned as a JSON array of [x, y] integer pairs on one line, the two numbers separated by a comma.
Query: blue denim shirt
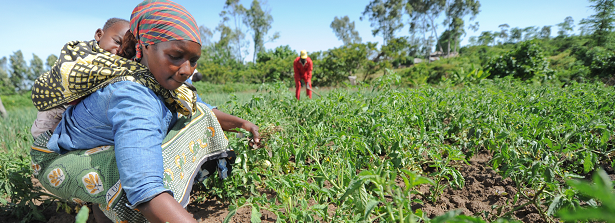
[[131, 117]]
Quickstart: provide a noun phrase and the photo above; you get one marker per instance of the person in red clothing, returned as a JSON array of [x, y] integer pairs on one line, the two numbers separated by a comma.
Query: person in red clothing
[[303, 73]]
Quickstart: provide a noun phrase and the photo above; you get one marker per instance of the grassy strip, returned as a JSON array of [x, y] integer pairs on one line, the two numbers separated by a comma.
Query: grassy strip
[[16, 101]]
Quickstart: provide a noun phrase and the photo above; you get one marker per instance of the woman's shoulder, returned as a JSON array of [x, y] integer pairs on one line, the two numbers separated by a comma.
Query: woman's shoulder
[[130, 89], [126, 96], [126, 93]]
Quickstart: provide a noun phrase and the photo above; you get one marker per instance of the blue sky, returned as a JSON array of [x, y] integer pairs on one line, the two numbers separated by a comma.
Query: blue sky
[[43, 27]]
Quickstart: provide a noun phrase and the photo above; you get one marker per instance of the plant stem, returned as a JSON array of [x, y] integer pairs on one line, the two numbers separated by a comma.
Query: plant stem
[[540, 211]]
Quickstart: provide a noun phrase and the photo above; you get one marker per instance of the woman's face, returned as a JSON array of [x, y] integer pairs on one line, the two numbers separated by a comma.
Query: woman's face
[[171, 62]]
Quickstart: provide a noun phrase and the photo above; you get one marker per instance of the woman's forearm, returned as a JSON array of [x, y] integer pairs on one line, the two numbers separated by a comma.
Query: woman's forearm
[[229, 122], [163, 208]]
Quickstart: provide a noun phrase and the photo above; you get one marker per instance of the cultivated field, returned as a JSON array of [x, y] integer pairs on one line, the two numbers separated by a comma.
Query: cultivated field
[[501, 149]]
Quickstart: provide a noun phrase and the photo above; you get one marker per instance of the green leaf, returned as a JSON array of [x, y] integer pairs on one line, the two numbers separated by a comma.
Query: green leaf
[[82, 216], [601, 189], [602, 179], [319, 206], [354, 185], [416, 179], [548, 142], [256, 214], [586, 214], [606, 135], [549, 175], [496, 162], [557, 201], [588, 165], [232, 210], [479, 74], [369, 208], [572, 175]]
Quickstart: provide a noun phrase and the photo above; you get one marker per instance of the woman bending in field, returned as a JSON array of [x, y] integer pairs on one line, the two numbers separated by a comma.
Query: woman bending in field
[[135, 145]]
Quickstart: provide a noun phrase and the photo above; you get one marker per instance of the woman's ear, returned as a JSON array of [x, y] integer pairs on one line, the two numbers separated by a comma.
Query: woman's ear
[[127, 47], [98, 34]]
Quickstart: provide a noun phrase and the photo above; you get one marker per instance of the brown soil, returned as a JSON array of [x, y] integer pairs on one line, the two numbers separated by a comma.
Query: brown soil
[[484, 192], [215, 211]]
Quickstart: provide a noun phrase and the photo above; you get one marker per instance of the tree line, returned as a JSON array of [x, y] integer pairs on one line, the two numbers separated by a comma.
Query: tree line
[[223, 60], [16, 76], [527, 53]]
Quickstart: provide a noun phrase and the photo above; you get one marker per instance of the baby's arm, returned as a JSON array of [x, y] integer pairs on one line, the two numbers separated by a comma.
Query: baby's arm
[[47, 120]]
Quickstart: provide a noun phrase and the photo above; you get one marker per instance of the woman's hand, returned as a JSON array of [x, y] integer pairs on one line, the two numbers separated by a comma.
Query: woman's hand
[[256, 137], [230, 122]]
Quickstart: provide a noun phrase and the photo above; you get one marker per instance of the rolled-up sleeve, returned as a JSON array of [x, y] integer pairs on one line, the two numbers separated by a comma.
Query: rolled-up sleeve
[[138, 120]]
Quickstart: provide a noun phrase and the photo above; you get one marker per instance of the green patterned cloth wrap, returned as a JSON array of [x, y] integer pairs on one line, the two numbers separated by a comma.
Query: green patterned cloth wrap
[[92, 175]]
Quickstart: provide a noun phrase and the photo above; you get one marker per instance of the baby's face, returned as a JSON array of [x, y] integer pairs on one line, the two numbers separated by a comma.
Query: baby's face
[[111, 39]]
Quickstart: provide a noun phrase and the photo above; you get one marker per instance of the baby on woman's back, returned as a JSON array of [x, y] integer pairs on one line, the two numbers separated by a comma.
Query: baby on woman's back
[[109, 38]]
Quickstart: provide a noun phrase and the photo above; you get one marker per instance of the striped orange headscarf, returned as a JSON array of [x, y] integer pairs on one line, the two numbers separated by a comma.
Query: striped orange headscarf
[[155, 21]]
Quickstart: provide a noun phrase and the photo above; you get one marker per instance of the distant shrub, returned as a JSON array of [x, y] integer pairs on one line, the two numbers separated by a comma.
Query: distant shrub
[[525, 62], [602, 63]]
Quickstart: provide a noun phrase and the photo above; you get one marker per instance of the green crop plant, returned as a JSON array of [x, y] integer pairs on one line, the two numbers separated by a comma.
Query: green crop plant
[[600, 190], [18, 194], [346, 156], [443, 161]]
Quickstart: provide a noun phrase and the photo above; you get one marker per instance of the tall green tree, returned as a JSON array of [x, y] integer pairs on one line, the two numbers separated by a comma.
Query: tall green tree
[[503, 34], [565, 27], [385, 17], [341, 62], [585, 29], [51, 60], [421, 26], [486, 38], [453, 38], [223, 48], [37, 67], [19, 71], [426, 12], [6, 87], [234, 12], [602, 21], [456, 10], [545, 32], [445, 41], [259, 21], [473, 41], [516, 34], [345, 31], [423, 15], [531, 32], [206, 36]]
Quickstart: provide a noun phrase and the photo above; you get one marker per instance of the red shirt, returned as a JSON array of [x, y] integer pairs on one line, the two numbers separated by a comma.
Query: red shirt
[[303, 71]]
